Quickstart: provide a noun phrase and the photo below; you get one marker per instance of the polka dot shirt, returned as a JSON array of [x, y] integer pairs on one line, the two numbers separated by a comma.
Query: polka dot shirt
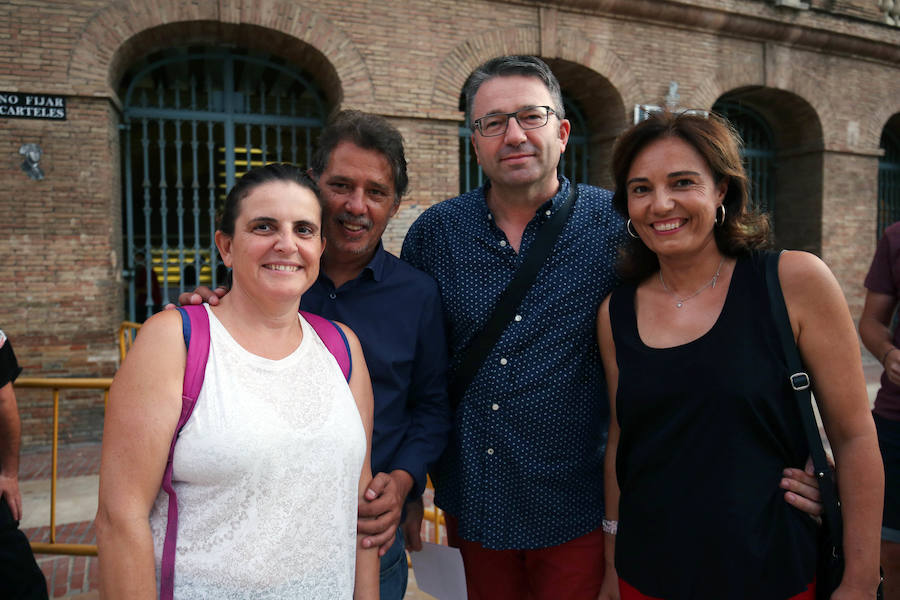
[[523, 467]]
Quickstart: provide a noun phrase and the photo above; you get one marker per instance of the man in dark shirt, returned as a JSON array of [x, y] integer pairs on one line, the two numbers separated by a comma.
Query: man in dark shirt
[[396, 313]]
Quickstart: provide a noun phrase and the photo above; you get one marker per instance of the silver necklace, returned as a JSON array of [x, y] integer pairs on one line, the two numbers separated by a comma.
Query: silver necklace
[[709, 284]]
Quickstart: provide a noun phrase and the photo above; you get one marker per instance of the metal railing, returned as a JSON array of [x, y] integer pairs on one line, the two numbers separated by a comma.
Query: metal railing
[[57, 384], [128, 331]]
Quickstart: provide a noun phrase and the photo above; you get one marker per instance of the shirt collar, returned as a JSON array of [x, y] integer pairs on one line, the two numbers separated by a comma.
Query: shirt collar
[[551, 205], [376, 265]]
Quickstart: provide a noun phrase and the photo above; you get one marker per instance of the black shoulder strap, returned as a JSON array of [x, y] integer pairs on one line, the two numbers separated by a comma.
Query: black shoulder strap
[[800, 383], [510, 298]]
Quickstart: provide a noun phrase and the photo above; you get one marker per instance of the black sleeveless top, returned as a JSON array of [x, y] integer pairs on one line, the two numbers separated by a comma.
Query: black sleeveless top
[[706, 430]]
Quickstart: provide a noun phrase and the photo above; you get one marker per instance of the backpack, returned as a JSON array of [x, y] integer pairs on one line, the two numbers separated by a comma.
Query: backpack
[[195, 320]]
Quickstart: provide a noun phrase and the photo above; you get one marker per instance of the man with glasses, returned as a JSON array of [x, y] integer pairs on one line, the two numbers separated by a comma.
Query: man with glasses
[[521, 480], [522, 477]]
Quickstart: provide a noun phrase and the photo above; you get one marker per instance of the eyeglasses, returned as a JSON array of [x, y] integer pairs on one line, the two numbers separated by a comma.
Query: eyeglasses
[[495, 124]]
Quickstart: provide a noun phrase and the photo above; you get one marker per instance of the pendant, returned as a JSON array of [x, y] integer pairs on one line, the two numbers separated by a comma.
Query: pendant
[[679, 305]]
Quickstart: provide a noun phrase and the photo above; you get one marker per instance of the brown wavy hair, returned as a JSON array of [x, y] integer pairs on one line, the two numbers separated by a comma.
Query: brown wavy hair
[[720, 145]]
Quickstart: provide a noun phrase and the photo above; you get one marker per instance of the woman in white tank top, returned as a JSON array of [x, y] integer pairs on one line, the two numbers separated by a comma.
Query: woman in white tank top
[[269, 466]]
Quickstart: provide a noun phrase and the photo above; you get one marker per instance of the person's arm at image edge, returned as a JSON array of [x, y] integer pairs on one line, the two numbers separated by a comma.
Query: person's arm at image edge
[[875, 332], [10, 432]]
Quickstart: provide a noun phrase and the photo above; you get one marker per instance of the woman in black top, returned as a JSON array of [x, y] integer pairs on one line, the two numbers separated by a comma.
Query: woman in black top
[[702, 421]]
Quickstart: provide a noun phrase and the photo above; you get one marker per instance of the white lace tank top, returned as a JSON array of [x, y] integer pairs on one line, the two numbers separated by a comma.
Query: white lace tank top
[[266, 471]]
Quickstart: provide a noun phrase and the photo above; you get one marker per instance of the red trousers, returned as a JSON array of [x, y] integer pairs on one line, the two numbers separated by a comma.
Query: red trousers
[[626, 592], [573, 570]]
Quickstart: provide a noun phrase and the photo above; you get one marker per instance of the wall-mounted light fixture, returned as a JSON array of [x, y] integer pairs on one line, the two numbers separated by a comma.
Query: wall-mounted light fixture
[[32, 154]]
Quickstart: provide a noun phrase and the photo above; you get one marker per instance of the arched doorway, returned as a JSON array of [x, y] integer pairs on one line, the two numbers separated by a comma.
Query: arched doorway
[[194, 120], [784, 158], [889, 176]]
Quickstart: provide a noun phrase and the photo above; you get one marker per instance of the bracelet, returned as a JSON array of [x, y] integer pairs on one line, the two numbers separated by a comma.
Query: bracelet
[[885, 355], [610, 527]]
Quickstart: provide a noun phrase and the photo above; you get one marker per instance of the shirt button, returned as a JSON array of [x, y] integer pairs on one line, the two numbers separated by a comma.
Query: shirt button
[[518, 317], [490, 451], [547, 213], [503, 242], [495, 406], [332, 295], [503, 361]]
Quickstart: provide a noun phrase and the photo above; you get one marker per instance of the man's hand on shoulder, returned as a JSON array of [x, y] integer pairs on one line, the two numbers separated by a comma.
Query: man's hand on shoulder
[[380, 508], [199, 296]]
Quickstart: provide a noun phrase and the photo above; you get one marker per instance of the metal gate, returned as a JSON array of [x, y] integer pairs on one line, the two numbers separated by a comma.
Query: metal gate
[[758, 153], [194, 120], [573, 163], [888, 181]]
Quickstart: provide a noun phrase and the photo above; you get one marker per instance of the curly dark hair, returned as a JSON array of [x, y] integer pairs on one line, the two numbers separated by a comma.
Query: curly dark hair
[[720, 145]]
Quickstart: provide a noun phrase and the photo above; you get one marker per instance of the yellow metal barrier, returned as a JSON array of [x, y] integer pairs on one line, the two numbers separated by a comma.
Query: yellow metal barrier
[[434, 514], [127, 333], [57, 384]]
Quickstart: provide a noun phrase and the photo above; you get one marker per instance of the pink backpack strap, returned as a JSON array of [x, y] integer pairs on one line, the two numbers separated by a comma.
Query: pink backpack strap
[[334, 339], [195, 325]]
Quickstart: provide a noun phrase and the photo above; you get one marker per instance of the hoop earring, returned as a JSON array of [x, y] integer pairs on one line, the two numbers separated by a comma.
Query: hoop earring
[[722, 222], [629, 227]]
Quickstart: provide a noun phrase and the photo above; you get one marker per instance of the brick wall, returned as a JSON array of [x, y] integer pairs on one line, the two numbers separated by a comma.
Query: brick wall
[[824, 80], [60, 258]]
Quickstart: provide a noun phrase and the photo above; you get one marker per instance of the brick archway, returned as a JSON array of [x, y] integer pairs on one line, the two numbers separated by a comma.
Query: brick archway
[[114, 37], [596, 78], [801, 89], [465, 57]]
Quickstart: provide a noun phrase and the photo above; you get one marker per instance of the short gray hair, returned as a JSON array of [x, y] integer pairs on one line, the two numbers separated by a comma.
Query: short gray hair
[[529, 66]]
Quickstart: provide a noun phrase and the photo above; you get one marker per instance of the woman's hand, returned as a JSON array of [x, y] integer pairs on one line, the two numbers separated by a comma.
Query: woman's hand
[[849, 592], [609, 590]]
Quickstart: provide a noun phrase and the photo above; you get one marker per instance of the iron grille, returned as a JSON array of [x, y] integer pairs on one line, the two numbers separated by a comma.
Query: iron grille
[[193, 122]]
